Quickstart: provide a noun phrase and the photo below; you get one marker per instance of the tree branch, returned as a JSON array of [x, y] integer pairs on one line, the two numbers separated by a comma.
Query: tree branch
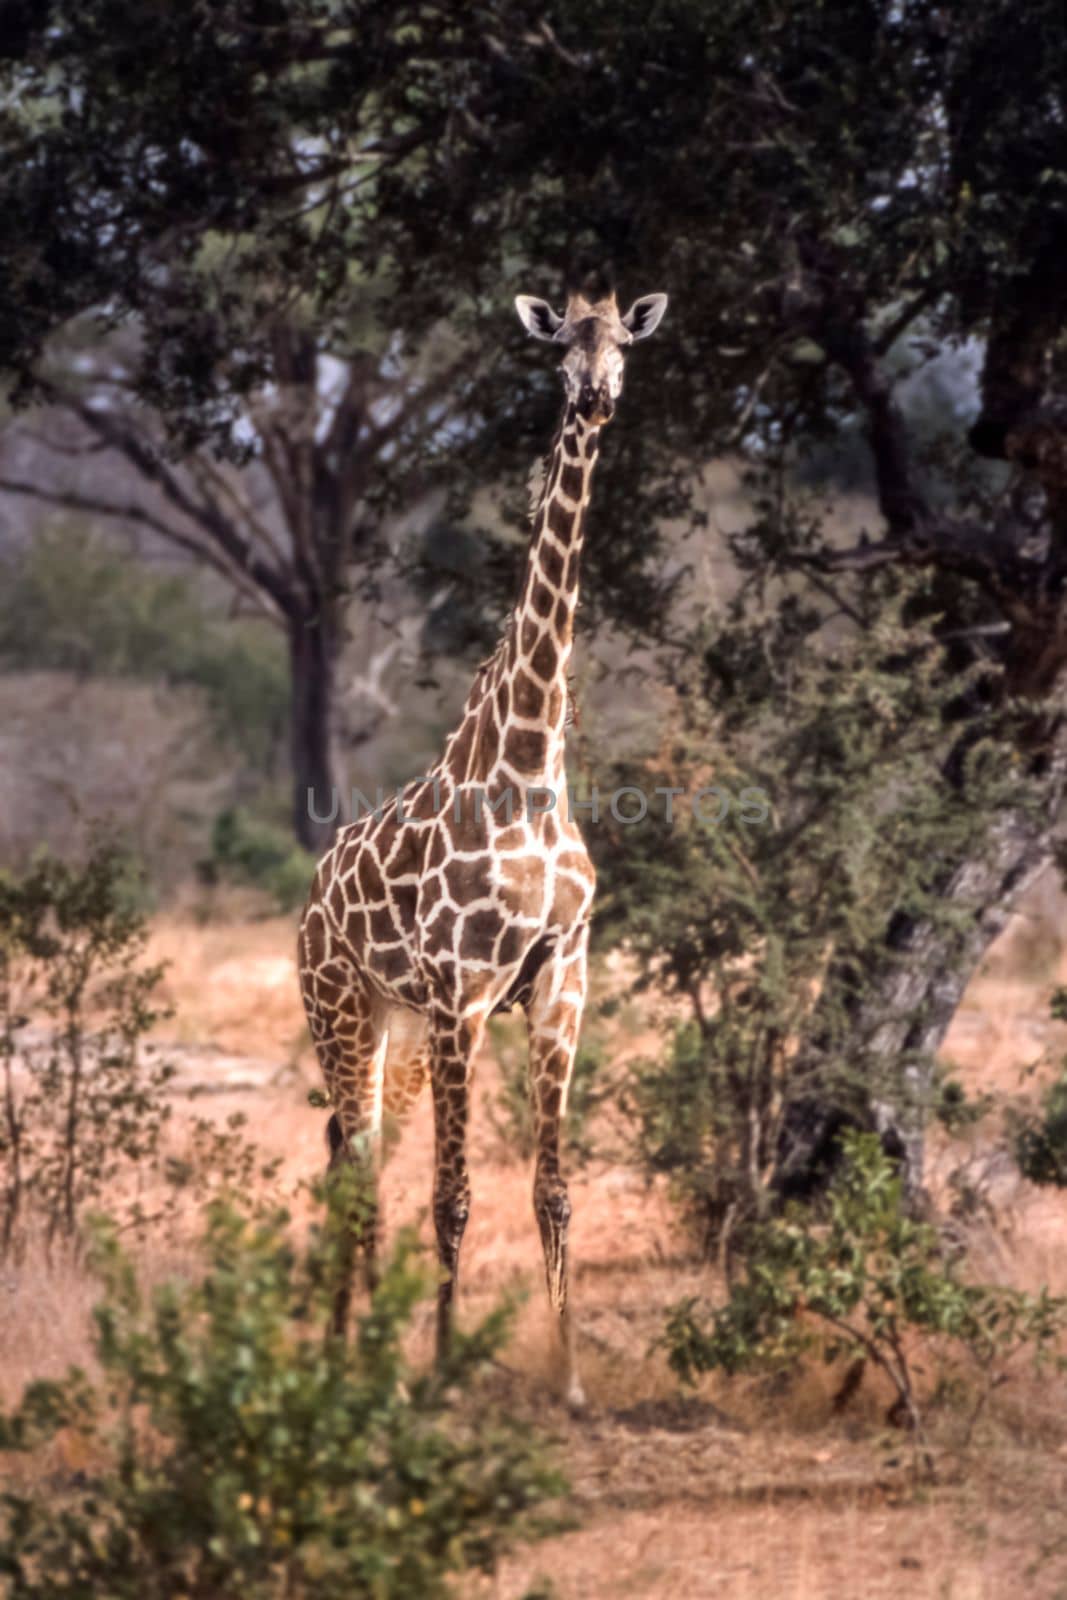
[[231, 546], [131, 511], [214, 483], [903, 321]]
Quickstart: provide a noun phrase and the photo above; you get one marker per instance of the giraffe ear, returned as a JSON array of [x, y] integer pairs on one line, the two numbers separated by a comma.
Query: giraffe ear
[[645, 315], [537, 316]]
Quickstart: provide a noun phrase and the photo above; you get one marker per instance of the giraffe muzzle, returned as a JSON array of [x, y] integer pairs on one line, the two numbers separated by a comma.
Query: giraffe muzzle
[[596, 405]]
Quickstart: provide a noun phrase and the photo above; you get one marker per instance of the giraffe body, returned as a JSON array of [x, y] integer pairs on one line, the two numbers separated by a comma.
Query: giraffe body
[[473, 892]]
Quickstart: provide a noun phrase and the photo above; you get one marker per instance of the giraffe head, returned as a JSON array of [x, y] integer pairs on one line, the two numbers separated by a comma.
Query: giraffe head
[[595, 336]]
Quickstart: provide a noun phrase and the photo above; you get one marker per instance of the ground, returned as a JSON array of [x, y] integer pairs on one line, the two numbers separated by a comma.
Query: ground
[[729, 1491]]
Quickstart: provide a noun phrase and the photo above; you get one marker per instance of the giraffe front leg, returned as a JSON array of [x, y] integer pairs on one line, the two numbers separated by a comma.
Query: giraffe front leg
[[554, 1016], [349, 1027], [453, 1042]]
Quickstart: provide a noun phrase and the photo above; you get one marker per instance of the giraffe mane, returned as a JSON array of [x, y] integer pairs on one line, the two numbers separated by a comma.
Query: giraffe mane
[[485, 668], [535, 485], [537, 482]]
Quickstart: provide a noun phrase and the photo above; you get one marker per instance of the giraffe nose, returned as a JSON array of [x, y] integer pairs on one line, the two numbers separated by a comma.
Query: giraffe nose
[[596, 403]]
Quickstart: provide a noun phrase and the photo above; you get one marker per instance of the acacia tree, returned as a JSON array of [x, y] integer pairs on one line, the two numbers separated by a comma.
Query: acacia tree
[[219, 188], [806, 751], [295, 533]]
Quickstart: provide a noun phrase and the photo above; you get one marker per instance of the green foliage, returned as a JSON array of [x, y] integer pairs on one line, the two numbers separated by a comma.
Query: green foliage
[[210, 1163], [687, 1125], [898, 133], [71, 601], [954, 1108], [239, 1449], [771, 926], [1040, 1140], [351, 189], [251, 851], [81, 1103], [911, 158], [859, 1280]]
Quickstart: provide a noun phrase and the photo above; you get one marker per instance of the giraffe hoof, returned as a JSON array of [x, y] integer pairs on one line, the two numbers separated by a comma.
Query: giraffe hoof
[[575, 1397]]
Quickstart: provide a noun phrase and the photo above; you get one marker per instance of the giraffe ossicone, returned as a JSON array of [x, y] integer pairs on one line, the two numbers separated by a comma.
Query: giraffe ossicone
[[421, 923]]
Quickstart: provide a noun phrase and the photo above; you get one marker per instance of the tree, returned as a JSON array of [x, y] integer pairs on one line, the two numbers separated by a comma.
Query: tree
[[806, 755], [80, 1106], [299, 536], [246, 253]]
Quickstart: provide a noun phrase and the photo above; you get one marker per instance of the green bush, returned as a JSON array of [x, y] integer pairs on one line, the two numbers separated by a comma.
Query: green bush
[[858, 1281], [684, 1115], [250, 851], [81, 1104], [825, 765], [1041, 1140], [218, 1160], [240, 1450]]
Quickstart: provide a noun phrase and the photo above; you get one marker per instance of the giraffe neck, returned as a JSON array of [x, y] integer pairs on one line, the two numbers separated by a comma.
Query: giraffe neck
[[513, 722], [540, 634]]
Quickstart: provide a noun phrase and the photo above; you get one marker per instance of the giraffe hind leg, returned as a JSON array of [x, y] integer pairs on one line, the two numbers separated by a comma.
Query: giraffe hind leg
[[554, 1017], [354, 1134], [407, 1067]]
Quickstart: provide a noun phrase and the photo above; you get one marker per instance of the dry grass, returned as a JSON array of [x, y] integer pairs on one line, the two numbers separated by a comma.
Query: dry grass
[[853, 1546], [736, 1491], [232, 983]]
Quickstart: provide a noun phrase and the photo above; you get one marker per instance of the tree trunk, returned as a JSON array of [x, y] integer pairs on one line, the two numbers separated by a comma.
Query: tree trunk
[[919, 1000], [313, 650], [899, 1019]]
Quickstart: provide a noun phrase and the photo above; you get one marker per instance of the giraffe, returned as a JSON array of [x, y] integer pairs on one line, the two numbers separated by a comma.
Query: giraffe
[[471, 892]]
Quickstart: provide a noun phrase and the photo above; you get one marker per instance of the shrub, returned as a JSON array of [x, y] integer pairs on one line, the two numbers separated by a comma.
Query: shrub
[[80, 1102], [768, 929], [250, 851], [858, 1282], [216, 1160], [685, 1115], [1041, 1140], [243, 1451]]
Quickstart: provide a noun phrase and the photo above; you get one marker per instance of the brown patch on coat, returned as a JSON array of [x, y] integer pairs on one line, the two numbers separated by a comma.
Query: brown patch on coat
[[480, 930], [524, 748], [544, 658], [528, 695]]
